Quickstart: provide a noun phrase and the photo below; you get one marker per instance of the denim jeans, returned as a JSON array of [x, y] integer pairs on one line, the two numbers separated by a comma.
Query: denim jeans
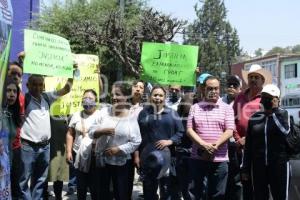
[[34, 167], [208, 179]]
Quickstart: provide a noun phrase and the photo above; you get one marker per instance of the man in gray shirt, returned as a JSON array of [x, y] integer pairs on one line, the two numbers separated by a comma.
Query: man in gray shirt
[[35, 136]]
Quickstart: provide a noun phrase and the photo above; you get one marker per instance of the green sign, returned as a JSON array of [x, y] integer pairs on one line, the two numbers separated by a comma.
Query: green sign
[[47, 54], [169, 63]]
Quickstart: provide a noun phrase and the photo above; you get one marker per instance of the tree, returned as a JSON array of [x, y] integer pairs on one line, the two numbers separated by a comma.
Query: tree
[[218, 42], [277, 50], [296, 48], [258, 52], [100, 28]]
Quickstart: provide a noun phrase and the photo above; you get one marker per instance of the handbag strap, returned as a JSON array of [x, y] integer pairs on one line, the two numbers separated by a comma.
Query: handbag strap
[[82, 124]]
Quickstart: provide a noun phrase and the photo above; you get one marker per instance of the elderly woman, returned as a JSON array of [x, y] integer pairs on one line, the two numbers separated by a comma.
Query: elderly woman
[[118, 136]]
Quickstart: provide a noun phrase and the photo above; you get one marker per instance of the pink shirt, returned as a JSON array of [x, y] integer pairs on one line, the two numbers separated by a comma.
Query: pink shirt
[[244, 108], [210, 121]]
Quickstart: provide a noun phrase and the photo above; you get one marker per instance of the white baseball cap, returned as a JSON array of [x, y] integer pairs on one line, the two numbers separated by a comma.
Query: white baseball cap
[[272, 90]]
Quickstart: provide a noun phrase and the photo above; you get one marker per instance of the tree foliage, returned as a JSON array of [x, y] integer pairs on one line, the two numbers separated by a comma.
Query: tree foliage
[[101, 28], [277, 50], [284, 50], [258, 52], [217, 39]]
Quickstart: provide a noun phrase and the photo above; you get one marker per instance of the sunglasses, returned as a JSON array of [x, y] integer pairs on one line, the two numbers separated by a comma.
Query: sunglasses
[[232, 85]]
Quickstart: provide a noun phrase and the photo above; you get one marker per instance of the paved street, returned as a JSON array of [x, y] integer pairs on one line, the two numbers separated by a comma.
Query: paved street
[[137, 190]]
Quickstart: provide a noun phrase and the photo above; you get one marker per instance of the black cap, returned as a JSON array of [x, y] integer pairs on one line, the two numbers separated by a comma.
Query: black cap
[[234, 80]]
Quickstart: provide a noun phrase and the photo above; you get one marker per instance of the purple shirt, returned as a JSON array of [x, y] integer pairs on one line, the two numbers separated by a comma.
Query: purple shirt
[[210, 121]]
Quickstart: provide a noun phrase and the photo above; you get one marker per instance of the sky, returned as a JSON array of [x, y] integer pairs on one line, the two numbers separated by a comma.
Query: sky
[[259, 23]]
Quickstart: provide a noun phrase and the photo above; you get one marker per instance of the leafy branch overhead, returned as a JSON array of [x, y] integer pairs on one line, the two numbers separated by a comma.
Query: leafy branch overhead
[[102, 29], [125, 42]]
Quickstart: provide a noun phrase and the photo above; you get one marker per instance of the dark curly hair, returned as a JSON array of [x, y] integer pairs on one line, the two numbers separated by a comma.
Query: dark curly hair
[[14, 109]]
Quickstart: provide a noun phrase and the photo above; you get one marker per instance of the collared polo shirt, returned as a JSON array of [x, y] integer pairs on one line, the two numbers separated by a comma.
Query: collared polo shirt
[[36, 127], [210, 121]]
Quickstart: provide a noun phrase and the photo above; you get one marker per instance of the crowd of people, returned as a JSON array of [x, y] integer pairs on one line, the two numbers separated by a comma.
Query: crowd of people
[[188, 143]]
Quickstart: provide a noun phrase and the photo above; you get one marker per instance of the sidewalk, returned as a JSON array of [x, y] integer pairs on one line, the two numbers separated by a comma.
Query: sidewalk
[[137, 190]]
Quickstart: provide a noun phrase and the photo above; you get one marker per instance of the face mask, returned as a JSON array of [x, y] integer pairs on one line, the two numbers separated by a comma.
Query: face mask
[[267, 103], [88, 104], [174, 97]]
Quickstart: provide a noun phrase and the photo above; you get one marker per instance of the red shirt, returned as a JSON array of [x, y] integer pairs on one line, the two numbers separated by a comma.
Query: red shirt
[[244, 108], [16, 143]]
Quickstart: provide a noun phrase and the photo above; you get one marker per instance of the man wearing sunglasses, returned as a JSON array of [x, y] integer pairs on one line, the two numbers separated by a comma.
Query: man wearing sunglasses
[[234, 186], [233, 88]]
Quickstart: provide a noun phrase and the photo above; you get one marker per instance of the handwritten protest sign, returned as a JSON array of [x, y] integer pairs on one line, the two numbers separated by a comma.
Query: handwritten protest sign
[[89, 79], [169, 63], [47, 54]]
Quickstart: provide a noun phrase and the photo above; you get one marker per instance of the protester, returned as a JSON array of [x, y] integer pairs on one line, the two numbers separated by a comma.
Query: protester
[[246, 104], [266, 150], [15, 72], [10, 121], [161, 127], [210, 124], [174, 96], [234, 185], [137, 92], [118, 135], [183, 150], [176, 102], [233, 88], [35, 136], [12, 107], [200, 87], [77, 132]]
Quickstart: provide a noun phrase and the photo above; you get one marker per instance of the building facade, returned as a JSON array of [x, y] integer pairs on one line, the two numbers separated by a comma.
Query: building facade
[[285, 71]]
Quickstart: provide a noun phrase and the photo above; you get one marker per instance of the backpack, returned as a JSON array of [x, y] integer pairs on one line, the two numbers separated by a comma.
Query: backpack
[[293, 139], [292, 136], [28, 98]]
